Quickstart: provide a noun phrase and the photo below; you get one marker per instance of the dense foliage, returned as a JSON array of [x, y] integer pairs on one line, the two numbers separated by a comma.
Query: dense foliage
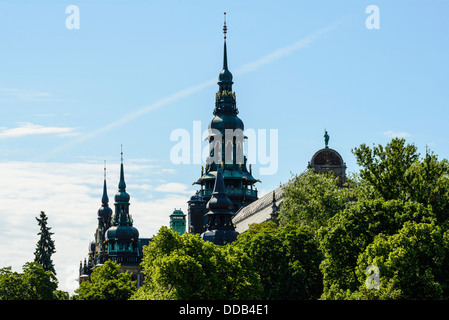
[[33, 283], [286, 258], [413, 263], [397, 172], [352, 230], [107, 283], [186, 267], [311, 199]]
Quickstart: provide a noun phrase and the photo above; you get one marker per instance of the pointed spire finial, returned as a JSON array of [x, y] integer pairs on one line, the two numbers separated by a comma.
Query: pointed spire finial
[[225, 54], [225, 83], [122, 184], [104, 198], [225, 28]]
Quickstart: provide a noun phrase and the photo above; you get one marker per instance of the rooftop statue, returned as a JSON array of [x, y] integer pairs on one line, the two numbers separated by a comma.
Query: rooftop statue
[[326, 139]]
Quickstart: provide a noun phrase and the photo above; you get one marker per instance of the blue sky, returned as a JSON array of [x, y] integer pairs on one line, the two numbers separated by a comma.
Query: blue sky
[[136, 71]]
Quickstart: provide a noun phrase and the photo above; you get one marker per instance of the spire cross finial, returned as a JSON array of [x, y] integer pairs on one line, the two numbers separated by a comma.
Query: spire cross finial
[[104, 169], [225, 28], [121, 152]]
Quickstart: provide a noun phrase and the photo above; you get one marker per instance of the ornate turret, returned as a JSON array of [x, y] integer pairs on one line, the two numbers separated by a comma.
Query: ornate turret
[[178, 221], [219, 229], [115, 239], [104, 213], [122, 237], [226, 144], [196, 212], [98, 247]]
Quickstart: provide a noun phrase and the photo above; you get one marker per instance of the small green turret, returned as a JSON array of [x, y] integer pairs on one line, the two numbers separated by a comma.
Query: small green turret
[[178, 221]]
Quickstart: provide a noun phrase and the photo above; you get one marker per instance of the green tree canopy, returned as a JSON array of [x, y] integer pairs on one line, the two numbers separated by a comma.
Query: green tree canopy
[[413, 263], [397, 172], [186, 267], [107, 283], [286, 258], [310, 199], [352, 230], [385, 168], [34, 283]]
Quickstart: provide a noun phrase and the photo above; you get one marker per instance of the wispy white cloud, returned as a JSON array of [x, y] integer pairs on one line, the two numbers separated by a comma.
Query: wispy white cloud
[[396, 134], [169, 171], [27, 129], [174, 187], [285, 51], [26, 95]]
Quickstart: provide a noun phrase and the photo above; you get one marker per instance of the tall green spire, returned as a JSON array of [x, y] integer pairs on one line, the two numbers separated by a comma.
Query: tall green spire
[[225, 57], [122, 200], [225, 54], [122, 184], [98, 246], [105, 198], [104, 213], [225, 98]]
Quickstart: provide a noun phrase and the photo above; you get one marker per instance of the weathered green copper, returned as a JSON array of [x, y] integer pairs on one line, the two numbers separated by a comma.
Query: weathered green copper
[[104, 213], [178, 221], [122, 237]]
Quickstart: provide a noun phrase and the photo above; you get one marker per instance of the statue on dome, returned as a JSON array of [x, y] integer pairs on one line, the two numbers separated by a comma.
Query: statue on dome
[[326, 139]]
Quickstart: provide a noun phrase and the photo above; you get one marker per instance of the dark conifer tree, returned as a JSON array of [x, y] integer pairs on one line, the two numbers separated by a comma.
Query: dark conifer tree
[[45, 246]]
